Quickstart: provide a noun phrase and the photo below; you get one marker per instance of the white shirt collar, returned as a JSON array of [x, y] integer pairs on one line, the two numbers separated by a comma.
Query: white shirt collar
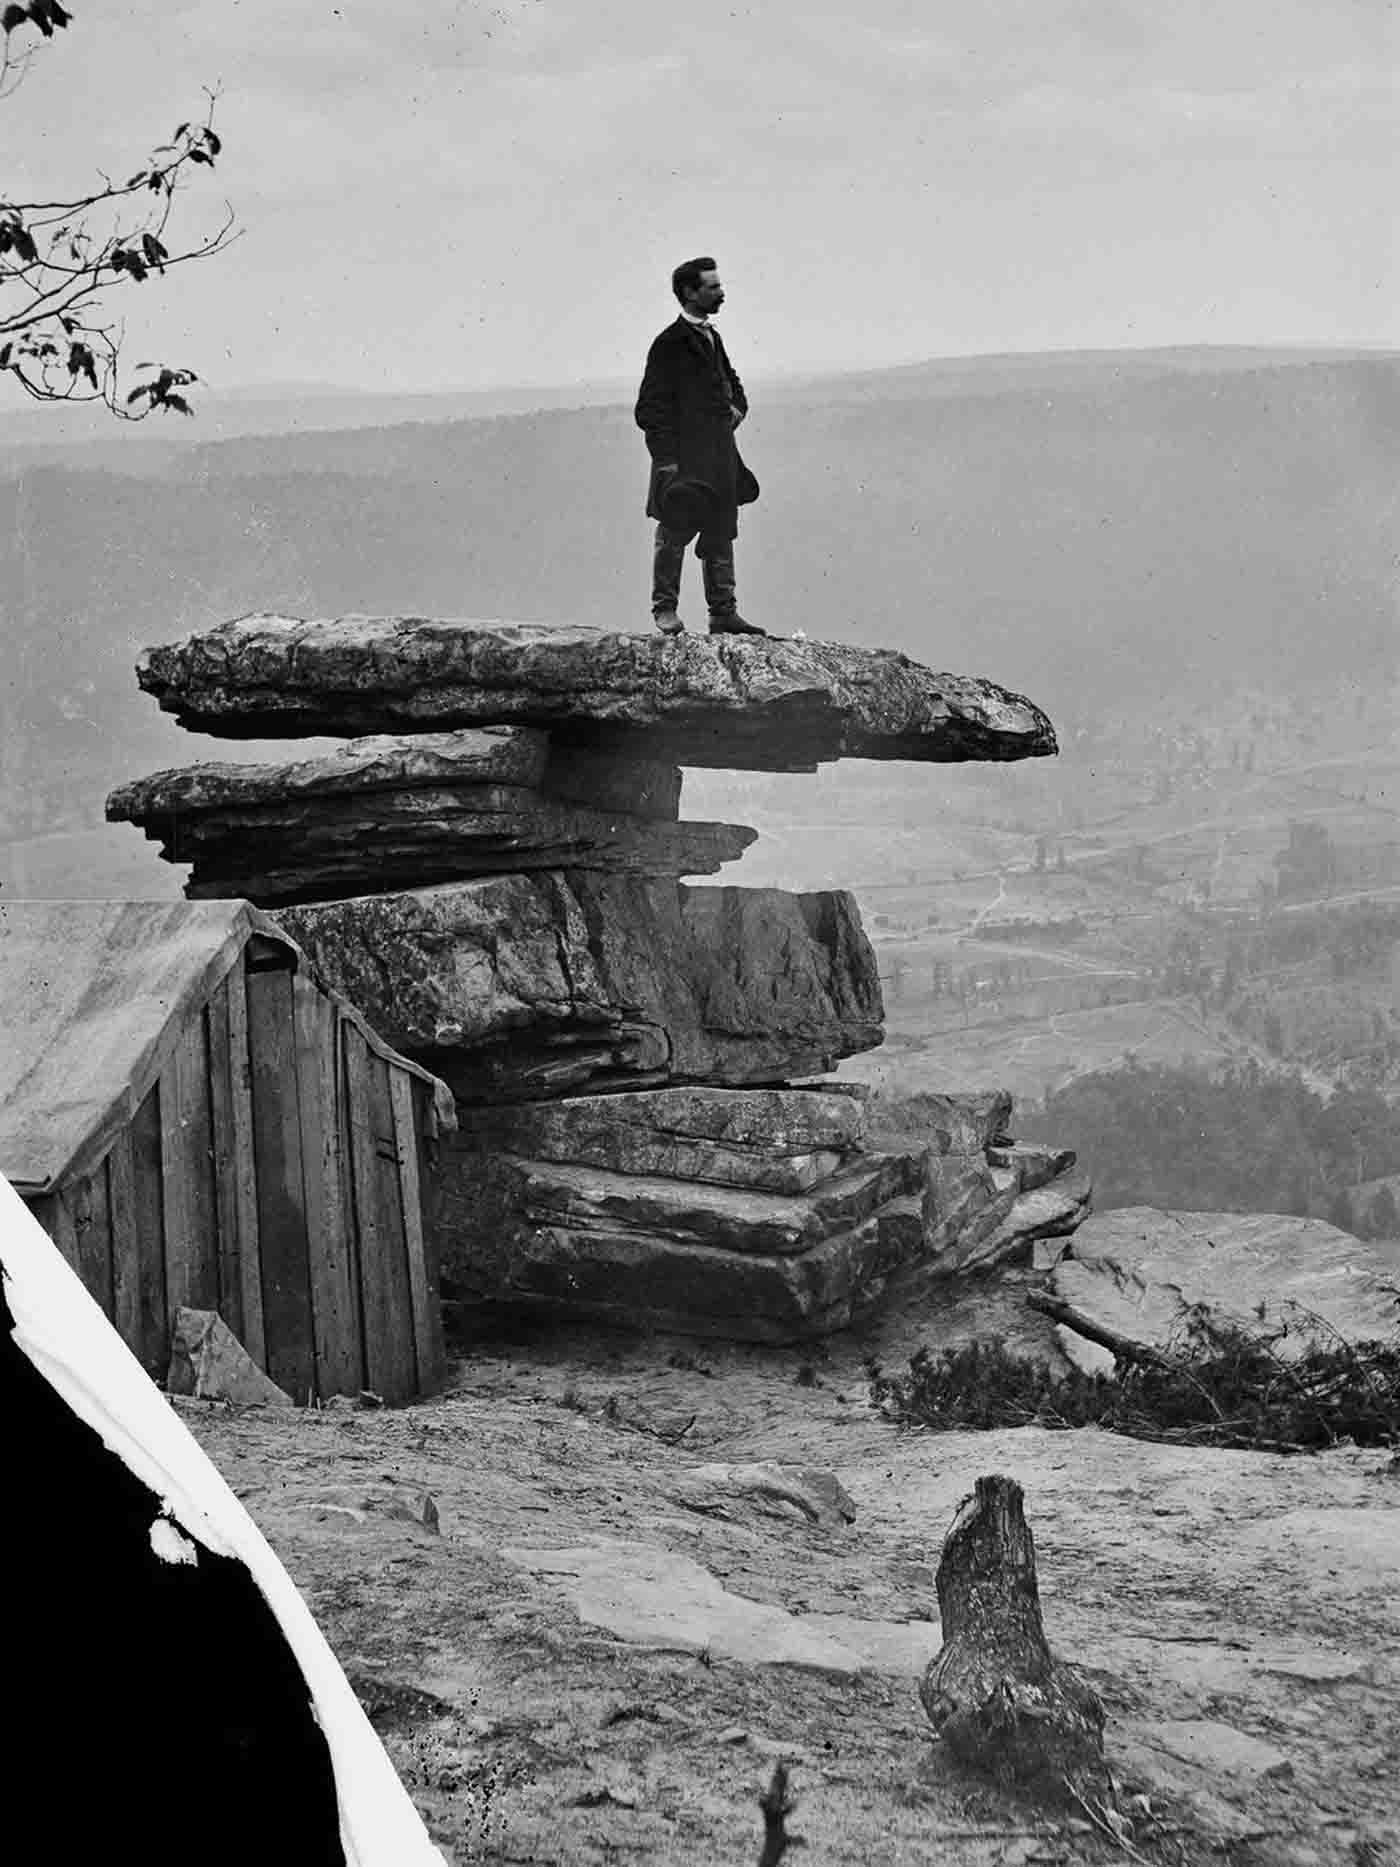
[[690, 318]]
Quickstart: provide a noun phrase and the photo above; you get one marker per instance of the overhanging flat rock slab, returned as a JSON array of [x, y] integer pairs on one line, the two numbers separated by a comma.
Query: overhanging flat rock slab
[[732, 702]]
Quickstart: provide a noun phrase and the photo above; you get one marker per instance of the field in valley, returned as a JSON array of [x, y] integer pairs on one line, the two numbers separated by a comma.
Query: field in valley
[[1037, 923]]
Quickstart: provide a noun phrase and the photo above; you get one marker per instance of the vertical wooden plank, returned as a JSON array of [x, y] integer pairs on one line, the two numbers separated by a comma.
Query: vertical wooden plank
[[423, 1295], [152, 1315], [429, 1155], [88, 1200], [395, 1286], [334, 1287], [391, 1368], [230, 1242], [353, 1241], [282, 1225], [359, 1185], [245, 1172], [187, 1163], [126, 1243]]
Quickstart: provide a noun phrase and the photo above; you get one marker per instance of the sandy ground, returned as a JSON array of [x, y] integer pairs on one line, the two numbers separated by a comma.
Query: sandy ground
[[604, 1643]]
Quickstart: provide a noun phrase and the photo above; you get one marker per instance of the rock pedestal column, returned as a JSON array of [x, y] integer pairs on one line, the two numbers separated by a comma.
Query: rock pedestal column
[[491, 870]]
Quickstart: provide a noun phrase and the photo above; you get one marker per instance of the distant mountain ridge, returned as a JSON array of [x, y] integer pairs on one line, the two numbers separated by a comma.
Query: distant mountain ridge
[[28, 434], [1062, 369], [82, 436]]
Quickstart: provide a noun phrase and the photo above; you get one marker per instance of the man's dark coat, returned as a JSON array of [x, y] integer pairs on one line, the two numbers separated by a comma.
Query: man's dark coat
[[683, 409]]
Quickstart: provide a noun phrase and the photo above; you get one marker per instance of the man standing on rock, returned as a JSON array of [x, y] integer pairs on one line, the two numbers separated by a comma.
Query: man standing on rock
[[690, 402]]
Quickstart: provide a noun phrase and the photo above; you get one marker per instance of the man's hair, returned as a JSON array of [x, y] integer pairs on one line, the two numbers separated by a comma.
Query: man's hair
[[686, 278]]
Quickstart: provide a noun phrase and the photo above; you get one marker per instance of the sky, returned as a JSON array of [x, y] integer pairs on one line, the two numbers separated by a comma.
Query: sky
[[461, 196]]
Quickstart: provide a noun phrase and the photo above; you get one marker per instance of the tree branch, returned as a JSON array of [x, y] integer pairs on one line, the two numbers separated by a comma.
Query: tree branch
[[51, 343]]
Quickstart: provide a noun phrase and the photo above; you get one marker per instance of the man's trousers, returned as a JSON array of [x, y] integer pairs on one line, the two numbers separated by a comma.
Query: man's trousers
[[717, 567]]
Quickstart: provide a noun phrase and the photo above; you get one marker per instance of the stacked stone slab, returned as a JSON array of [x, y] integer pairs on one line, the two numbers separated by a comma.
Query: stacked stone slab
[[755, 1214], [384, 813], [490, 868], [544, 984]]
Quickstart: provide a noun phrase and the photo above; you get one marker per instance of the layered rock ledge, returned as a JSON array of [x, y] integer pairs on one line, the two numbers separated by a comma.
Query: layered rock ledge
[[733, 702]]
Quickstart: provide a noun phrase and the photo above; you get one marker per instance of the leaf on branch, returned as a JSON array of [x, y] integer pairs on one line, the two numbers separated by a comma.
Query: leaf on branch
[[46, 15], [162, 392], [213, 142], [13, 16], [82, 362], [137, 179], [155, 253], [16, 238], [157, 182], [6, 352]]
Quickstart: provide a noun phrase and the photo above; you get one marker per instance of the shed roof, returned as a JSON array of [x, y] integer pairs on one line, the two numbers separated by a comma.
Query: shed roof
[[92, 997]]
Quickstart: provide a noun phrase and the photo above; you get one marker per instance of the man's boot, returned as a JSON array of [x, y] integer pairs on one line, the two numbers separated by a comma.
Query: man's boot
[[668, 622], [717, 562]]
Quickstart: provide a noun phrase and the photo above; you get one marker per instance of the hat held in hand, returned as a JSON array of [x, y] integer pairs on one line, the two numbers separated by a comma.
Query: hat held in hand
[[686, 505]]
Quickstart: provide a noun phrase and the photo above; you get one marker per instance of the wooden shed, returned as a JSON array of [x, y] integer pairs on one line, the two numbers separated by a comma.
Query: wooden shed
[[195, 1119]]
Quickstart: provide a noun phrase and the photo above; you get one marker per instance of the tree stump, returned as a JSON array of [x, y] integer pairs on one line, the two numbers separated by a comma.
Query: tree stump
[[995, 1693]]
